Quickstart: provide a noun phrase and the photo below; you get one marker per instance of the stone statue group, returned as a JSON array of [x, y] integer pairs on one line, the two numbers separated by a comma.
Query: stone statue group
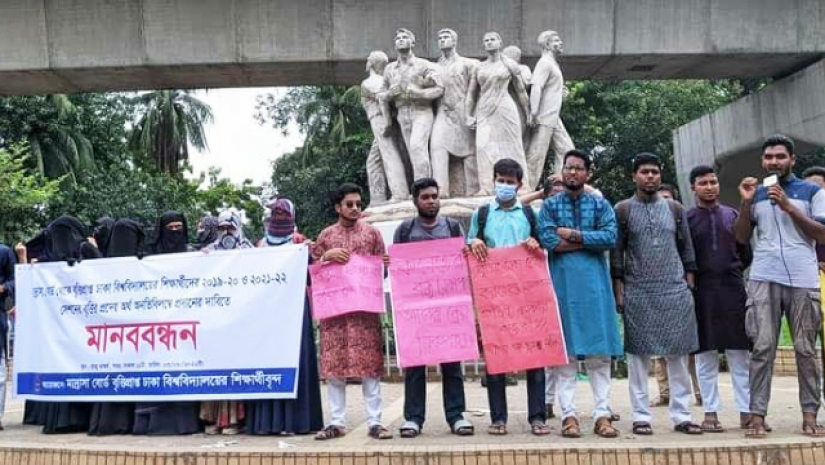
[[453, 119]]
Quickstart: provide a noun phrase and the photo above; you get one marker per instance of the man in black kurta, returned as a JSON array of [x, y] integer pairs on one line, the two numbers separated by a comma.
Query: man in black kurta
[[720, 297]]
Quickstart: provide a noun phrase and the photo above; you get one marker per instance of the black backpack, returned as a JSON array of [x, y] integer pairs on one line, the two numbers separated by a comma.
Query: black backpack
[[484, 211], [405, 229]]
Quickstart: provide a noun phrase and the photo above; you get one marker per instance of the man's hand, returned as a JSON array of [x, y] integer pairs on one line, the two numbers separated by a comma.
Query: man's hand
[[12, 311], [338, 255], [564, 233], [532, 244], [747, 188], [2, 289], [471, 122], [387, 260], [479, 249], [822, 267], [777, 194], [618, 293]]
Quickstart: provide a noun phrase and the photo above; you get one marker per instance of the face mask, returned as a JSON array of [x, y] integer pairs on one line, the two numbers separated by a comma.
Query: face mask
[[505, 192], [228, 241]]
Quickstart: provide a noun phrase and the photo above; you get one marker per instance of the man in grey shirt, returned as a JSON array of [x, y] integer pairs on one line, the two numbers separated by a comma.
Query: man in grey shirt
[[428, 225], [788, 215]]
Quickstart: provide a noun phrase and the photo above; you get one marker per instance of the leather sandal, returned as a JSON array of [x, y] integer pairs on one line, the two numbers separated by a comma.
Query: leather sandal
[[642, 428], [570, 428], [604, 428], [688, 427], [330, 432]]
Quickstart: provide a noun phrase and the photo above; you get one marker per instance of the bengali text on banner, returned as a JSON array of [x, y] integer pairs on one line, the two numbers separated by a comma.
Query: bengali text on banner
[[194, 326], [432, 303], [356, 286], [517, 309]]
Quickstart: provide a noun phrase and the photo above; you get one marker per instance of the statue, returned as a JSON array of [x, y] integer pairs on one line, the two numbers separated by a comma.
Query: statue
[[494, 114], [413, 84], [452, 144], [385, 167], [514, 53], [546, 97]]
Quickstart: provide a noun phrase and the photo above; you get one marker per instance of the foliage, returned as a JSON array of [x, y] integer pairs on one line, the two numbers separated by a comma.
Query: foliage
[[338, 138], [26, 196], [170, 120], [615, 121], [220, 194]]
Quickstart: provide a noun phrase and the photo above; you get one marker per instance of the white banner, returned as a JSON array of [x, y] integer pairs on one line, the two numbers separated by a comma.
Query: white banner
[[194, 326]]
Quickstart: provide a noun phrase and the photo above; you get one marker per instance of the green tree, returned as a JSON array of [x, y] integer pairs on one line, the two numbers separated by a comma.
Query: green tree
[[337, 140], [50, 126], [26, 196], [169, 121], [220, 194]]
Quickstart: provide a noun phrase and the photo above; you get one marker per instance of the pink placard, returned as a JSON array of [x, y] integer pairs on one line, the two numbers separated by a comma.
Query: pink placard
[[432, 303], [356, 286], [517, 309]]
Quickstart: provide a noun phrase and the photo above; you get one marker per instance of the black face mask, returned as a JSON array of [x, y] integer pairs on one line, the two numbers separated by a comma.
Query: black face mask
[[174, 241], [228, 241]]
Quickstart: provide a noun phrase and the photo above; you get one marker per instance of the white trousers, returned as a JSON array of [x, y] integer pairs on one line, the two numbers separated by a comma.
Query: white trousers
[[550, 385], [598, 371], [337, 390], [707, 370], [680, 396]]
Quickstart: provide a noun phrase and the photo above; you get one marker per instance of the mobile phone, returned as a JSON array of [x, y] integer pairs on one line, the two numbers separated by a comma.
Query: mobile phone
[[770, 181]]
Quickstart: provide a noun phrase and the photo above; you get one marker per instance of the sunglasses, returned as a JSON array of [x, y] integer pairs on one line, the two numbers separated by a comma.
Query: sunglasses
[[353, 204]]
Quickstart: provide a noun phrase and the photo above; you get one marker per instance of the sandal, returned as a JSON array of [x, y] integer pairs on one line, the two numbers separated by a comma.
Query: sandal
[[409, 429], [812, 429], [497, 429], [570, 428], [712, 426], [462, 428], [614, 417], [330, 432], [379, 432], [642, 428], [539, 428], [688, 427], [604, 428]]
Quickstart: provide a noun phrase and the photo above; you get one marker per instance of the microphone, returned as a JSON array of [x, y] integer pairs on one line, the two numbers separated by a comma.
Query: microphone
[[768, 182]]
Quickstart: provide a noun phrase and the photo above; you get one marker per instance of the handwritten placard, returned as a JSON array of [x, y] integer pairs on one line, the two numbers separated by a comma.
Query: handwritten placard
[[518, 313], [432, 303], [356, 286]]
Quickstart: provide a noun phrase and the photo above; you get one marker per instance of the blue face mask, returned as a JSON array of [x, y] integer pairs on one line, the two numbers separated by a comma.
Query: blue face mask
[[505, 192]]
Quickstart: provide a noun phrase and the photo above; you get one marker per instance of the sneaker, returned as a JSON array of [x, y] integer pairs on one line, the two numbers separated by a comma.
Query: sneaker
[[212, 430]]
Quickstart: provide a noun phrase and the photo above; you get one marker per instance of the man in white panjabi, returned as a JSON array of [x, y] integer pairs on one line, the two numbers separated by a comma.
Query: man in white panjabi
[[385, 168], [413, 84], [546, 96], [452, 141]]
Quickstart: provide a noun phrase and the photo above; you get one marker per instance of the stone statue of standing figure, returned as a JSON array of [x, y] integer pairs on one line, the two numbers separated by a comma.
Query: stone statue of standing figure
[[452, 145], [385, 167], [494, 114], [546, 94], [413, 84]]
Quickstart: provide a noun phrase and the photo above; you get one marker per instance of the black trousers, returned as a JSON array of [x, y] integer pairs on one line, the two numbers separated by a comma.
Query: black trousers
[[415, 393], [497, 396]]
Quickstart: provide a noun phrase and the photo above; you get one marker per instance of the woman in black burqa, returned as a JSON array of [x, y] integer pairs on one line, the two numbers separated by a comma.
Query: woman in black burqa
[[63, 240], [125, 240], [168, 418]]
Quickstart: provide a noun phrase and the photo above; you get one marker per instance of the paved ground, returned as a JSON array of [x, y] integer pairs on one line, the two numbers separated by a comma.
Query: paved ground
[[785, 419]]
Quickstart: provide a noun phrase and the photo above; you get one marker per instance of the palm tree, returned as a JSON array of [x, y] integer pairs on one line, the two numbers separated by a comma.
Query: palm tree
[[57, 146], [170, 121]]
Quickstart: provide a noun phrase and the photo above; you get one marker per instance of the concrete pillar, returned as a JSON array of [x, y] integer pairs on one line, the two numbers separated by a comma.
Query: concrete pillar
[[731, 137]]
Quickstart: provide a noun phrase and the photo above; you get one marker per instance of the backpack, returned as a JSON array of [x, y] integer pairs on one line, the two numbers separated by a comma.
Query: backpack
[[405, 229], [623, 216], [484, 211]]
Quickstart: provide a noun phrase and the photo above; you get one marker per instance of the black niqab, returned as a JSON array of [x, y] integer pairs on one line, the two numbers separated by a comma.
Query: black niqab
[[103, 228], [126, 239], [168, 241], [64, 237]]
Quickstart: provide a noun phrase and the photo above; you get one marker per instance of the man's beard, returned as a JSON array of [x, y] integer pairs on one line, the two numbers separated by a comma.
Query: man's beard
[[428, 214], [573, 187]]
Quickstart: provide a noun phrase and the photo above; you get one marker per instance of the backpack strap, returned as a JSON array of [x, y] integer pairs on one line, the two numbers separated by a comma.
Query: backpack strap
[[455, 227], [531, 219], [483, 212], [405, 230]]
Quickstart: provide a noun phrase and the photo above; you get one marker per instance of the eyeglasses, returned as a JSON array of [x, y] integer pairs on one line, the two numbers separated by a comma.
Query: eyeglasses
[[353, 204], [571, 169]]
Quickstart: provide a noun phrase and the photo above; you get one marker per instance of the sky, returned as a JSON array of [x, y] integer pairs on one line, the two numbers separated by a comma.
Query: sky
[[241, 147]]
